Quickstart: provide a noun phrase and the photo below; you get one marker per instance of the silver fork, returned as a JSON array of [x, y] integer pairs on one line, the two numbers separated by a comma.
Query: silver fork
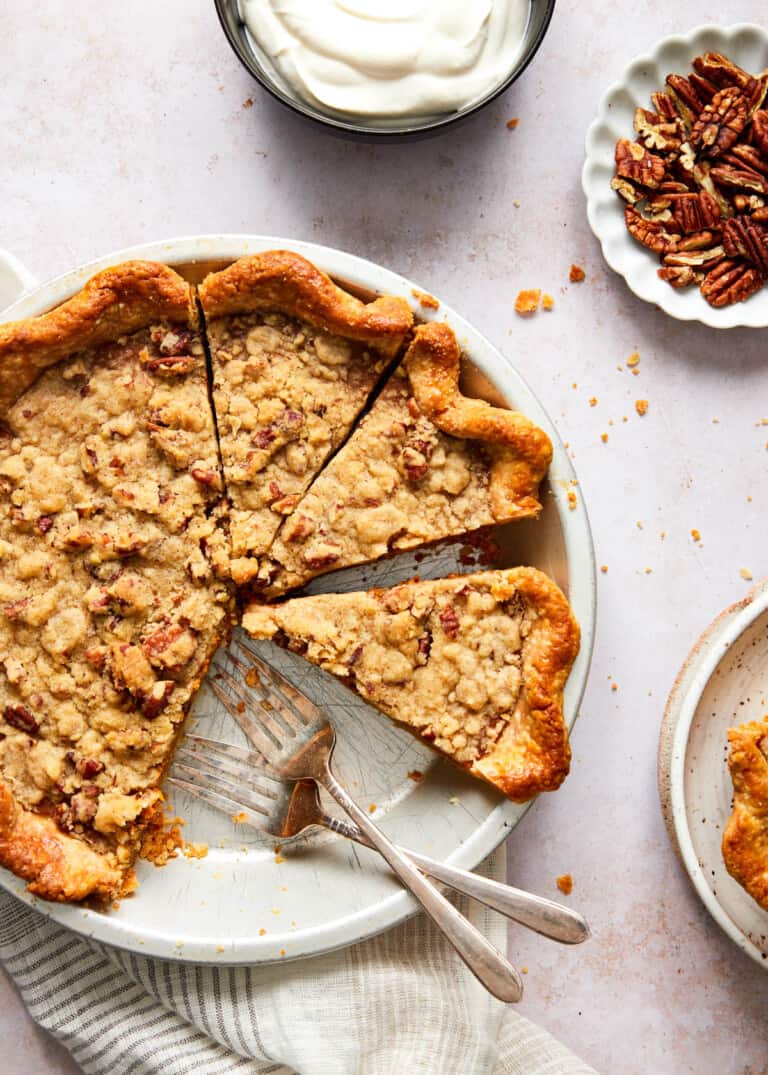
[[235, 780], [298, 741]]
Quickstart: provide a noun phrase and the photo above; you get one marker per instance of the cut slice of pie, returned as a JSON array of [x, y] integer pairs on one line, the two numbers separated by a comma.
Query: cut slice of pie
[[745, 840], [426, 463], [109, 611], [294, 361], [474, 665]]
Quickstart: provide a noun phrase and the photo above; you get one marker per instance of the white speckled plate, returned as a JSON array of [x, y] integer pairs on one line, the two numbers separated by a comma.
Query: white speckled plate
[[746, 45], [724, 682], [238, 904]]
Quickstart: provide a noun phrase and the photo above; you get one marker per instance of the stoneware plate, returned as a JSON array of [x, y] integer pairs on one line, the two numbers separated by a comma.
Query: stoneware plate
[[243, 903], [746, 45], [724, 682]]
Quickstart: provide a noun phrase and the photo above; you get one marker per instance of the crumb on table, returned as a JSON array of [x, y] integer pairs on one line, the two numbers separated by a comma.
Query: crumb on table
[[604, 438], [565, 883], [641, 406], [547, 302], [696, 534], [745, 573], [527, 302], [633, 359], [577, 274], [512, 123]]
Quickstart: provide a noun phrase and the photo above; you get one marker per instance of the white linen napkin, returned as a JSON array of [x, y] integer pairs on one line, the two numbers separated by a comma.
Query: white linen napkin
[[399, 1004]]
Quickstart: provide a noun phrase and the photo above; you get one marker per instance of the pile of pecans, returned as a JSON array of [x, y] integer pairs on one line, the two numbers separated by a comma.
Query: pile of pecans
[[696, 180]]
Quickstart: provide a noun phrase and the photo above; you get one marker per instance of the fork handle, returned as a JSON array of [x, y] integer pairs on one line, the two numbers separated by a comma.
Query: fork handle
[[545, 916], [487, 964]]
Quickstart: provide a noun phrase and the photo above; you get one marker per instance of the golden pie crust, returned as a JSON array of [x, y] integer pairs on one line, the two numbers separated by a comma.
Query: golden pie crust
[[427, 463], [745, 840], [131, 514], [109, 609], [474, 665]]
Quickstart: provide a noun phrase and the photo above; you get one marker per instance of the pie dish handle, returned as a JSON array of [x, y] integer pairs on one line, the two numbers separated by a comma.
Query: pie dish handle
[[15, 279]]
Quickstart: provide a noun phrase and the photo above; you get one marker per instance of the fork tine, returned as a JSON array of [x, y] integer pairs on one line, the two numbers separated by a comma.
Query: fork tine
[[246, 757], [243, 797], [283, 689], [265, 706], [219, 802], [257, 734], [215, 764]]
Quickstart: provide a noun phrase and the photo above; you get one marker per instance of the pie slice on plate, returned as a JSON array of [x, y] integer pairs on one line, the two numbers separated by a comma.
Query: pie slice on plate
[[294, 361], [745, 840], [109, 611], [426, 463], [474, 665]]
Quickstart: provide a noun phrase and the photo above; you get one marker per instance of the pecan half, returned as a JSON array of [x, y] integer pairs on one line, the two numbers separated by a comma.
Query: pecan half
[[742, 237], [650, 233], [680, 275], [703, 259], [694, 212], [750, 156], [658, 132], [720, 122], [626, 190], [685, 99], [719, 70], [731, 281], [760, 130], [634, 162], [740, 178]]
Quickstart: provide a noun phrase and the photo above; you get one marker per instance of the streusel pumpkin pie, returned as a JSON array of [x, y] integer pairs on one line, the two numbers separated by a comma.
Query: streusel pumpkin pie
[[294, 360], [745, 840], [109, 612], [474, 665], [426, 463]]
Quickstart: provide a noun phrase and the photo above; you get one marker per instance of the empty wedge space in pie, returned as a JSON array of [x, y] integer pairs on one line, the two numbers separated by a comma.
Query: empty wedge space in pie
[[150, 489]]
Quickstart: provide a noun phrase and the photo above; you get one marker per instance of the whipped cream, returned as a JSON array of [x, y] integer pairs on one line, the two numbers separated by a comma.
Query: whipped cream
[[389, 58]]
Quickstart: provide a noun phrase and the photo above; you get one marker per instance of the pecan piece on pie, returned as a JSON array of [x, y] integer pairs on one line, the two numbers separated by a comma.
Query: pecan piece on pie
[[731, 281], [634, 162], [720, 122]]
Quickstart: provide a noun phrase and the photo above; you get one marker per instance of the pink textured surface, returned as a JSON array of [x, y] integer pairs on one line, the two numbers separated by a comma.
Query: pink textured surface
[[126, 123]]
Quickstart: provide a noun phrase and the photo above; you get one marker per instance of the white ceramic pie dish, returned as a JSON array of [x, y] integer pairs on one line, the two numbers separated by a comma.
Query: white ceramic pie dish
[[239, 904], [746, 45], [724, 682]]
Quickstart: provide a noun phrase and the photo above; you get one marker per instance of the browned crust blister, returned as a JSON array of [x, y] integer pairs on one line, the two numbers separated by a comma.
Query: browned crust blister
[[279, 280], [745, 840], [521, 451], [113, 303]]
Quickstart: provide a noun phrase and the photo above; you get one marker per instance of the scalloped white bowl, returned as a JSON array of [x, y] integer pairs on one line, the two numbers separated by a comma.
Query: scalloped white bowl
[[745, 44]]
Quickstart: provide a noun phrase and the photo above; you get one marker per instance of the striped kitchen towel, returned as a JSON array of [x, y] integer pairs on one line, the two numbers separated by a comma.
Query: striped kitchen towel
[[399, 1004]]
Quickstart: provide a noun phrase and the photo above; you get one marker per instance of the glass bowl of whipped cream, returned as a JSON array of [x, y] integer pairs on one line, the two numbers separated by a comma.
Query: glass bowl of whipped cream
[[385, 69]]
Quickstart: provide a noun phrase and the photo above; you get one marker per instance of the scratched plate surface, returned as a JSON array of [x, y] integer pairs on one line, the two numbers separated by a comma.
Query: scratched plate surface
[[244, 904]]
